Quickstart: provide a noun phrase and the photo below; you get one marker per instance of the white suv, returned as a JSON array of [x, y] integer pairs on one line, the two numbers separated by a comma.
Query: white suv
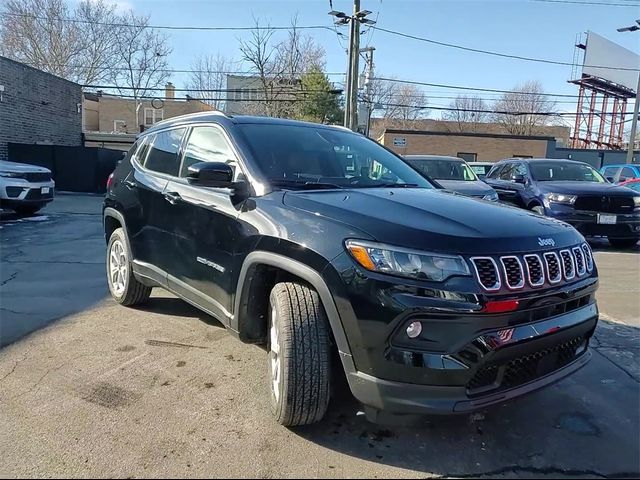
[[25, 188]]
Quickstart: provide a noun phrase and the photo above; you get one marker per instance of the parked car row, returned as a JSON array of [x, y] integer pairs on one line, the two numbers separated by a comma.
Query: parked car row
[[570, 191]]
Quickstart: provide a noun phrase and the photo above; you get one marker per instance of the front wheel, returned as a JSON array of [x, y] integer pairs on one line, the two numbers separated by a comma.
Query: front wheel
[[123, 285], [623, 242], [299, 352], [538, 209]]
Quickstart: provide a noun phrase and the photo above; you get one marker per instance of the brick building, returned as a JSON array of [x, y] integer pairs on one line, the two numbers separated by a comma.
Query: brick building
[[37, 107], [113, 114], [481, 147]]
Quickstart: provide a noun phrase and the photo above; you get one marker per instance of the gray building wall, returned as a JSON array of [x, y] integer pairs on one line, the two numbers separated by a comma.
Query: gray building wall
[[37, 107], [596, 158]]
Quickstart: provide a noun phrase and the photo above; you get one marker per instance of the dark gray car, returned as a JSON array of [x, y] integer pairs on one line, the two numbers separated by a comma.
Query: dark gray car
[[454, 174]]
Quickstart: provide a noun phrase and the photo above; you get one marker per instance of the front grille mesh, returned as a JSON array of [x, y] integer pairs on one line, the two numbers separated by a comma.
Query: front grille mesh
[[533, 270], [513, 272], [487, 273], [567, 265], [526, 368]]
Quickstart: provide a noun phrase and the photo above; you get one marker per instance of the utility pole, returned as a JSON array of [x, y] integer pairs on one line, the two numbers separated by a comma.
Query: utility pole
[[636, 106], [634, 124], [358, 17], [351, 117]]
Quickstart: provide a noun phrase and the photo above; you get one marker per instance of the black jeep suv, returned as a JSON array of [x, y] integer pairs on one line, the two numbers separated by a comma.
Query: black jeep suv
[[319, 243]]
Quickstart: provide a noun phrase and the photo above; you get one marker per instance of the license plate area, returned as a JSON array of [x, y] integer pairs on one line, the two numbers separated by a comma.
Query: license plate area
[[607, 219]]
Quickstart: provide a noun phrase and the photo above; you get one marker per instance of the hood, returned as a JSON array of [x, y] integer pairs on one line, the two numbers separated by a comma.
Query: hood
[[432, 220], [22, 167], [583, 188], [474, 188]]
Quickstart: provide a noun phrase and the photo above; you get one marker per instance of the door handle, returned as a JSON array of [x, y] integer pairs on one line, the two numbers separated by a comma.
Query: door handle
[[130, 184], [172, 197]]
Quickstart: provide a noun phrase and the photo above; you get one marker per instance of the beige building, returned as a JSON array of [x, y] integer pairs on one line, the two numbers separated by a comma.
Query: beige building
[[473, 147], [379, 125], [107, 113]]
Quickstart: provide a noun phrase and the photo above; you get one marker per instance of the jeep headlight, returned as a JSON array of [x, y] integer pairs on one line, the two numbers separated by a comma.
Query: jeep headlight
[[560, 198], [11, 174], [492, 197], [381, 258]]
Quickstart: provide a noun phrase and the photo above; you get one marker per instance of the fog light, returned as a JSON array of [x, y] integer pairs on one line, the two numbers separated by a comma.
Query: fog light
[[414, 329]]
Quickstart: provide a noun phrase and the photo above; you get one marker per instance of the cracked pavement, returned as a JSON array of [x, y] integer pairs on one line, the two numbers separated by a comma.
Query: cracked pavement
[[104, 391]]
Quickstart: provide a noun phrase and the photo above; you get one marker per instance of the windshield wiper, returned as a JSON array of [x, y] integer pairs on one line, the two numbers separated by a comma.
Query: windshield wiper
[[280, 182]]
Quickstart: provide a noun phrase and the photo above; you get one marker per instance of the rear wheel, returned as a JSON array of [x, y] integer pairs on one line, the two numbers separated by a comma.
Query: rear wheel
[[299, 352], [623, 242], [123, 285]]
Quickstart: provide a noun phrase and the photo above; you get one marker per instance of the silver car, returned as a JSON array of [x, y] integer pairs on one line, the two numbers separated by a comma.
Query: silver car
[[25, 188]]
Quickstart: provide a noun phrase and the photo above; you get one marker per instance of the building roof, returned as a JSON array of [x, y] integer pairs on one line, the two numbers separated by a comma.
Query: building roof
[[467, 134]]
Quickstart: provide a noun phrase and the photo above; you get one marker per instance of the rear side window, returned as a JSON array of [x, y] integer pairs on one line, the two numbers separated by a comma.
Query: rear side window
[[507, 172], [206, 144], [610, 173], [163, 152]]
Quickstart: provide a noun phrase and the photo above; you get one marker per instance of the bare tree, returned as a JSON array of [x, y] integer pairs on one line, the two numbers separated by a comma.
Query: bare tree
[[209, 73], [74, 43], [398, 105], [525, 109], [467, 112], [141, 56], [279, 68]]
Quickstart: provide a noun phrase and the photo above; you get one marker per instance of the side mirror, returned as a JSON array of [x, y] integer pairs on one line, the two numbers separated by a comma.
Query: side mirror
[[520, 179], [211, 174]]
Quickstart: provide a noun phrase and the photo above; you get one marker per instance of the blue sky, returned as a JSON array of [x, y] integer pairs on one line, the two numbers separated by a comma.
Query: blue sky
[[522, 27]]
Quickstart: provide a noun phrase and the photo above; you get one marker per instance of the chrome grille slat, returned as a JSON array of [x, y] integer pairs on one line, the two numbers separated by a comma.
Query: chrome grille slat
[[578, 256], [552, 262], [588, 257], [568, 265], [513, 272], [535, 270]]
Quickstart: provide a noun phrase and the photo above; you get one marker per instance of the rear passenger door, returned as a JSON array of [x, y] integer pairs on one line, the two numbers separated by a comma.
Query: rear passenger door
[[149, 178], [205, 226]]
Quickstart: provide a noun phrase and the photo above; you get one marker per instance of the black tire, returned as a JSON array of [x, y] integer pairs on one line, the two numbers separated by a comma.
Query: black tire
[[623, 242], [27, 210], [304, 352], [134, 292], [539, 209]]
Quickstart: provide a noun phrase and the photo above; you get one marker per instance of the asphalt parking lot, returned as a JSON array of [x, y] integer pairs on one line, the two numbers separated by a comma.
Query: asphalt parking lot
[[163, 390]]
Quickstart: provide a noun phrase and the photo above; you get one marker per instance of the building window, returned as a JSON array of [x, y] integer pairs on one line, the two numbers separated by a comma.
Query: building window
[[119, 126], [153, 115], [522, 156], [468, 157]]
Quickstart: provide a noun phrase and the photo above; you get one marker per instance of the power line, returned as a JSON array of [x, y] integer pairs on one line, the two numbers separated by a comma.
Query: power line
[[499, 112], [496, 54], [475, 89], [276, 91], [575, 2], [168, 27]]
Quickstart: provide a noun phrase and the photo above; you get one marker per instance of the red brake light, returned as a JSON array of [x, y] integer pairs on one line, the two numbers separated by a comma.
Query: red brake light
[[501, 306], [109, 181]]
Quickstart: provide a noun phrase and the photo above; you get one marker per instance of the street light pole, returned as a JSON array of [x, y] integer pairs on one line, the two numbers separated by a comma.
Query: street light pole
[[636, 106]]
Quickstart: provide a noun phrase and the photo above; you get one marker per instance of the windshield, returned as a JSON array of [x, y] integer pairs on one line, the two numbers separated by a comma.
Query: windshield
[[568, 172], [293, 156], [442, 169]]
